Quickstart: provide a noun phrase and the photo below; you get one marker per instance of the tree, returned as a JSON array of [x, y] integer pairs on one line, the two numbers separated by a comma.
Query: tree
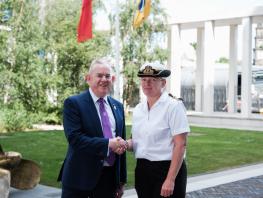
[[70, 60], [24, 79], [41, 61], [23, 83], [144, 44]]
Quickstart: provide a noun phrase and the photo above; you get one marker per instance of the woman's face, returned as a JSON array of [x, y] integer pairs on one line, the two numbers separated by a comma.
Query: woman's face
[[152, 87]]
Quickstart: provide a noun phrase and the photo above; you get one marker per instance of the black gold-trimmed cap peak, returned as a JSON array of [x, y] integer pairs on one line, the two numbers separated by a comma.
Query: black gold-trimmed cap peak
[[153, 70]]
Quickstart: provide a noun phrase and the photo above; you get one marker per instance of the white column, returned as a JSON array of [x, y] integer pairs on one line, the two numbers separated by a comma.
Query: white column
[[208, 77], [175, 60], [232, 82], [246, 67], [199, 69], [169, 46]]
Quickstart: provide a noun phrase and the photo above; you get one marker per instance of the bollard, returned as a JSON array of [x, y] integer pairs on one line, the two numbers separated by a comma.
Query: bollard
[[4, 183]]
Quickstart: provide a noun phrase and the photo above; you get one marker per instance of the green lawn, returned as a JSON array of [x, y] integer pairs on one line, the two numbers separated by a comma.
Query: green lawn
[[208, 150]]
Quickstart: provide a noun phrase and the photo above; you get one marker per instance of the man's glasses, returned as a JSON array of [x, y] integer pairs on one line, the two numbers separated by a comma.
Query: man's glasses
[[107, 76]]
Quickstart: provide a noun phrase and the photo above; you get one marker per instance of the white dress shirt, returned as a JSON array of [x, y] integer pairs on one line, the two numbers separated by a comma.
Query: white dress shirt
[[108, 109], [153, 130], [110, 114]]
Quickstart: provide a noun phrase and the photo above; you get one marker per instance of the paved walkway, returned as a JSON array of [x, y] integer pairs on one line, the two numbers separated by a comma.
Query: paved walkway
[[247, 188], [243, 182]]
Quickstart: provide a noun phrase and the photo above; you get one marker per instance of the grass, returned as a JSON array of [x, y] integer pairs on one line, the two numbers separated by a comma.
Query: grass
[[208, 150]]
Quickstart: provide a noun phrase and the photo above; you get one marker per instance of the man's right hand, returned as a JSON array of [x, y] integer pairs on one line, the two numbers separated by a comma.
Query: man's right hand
[[118, 145]]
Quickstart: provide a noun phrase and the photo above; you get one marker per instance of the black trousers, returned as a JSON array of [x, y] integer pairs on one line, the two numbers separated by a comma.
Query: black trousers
[[149, 178], [105, 188]]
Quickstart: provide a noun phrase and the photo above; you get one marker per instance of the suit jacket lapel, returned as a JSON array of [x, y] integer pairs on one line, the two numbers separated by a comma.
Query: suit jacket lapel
[[115, 114], [92, 111]]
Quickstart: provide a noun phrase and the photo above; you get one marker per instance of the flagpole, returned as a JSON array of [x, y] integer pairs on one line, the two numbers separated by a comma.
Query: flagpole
[[117, 52]]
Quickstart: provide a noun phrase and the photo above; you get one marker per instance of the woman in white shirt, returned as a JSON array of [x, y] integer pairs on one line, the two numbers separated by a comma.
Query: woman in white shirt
[[159, 135]]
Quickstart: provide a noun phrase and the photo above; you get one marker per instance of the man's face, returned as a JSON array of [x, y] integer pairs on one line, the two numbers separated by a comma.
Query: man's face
[[100, 80]]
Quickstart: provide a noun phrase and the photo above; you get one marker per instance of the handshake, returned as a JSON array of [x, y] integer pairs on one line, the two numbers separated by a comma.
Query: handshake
[[119, 145]]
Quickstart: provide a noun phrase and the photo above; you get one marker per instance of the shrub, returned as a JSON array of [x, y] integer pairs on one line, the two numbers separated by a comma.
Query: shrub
[[48, 118], [16, 118]]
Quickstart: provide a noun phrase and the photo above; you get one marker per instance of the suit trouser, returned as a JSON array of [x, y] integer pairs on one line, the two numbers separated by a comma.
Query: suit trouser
[[105, 188], [149, 178]]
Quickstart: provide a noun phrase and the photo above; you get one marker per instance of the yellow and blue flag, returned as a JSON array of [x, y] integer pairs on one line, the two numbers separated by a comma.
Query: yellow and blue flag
[[142, 12]]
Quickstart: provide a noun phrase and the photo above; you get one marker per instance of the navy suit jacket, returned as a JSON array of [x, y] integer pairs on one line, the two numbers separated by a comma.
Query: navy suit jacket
[[87, 147]]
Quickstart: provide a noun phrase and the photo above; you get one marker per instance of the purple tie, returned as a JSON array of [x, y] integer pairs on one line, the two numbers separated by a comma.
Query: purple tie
[[106, 127]]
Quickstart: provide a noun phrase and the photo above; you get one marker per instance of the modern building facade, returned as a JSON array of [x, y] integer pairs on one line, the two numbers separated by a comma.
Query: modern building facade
[[205, 25]]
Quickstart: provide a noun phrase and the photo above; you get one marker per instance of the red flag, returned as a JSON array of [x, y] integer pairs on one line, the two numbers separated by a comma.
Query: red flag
[[85, 22]]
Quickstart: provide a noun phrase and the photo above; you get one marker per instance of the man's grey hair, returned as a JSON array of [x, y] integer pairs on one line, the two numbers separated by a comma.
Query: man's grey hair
[[100, 61]]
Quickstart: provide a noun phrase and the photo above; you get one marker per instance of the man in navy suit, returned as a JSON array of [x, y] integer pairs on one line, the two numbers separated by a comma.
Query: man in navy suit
[[86, 173]]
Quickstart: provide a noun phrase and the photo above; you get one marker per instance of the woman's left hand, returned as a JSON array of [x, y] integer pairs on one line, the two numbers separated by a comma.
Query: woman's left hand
[[167, 188]]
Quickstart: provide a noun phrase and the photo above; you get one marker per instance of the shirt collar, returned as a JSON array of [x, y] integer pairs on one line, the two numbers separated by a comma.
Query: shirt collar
[[95, 98], [163, 97]]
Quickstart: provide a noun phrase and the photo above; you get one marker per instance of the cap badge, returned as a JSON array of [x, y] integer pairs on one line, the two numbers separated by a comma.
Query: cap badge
[[148, 70]]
